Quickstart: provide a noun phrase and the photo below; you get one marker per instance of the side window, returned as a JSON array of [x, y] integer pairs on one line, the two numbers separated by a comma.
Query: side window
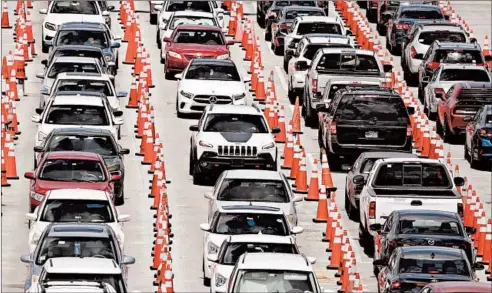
[[300, 48], [392, 262], [477, 116], [450, 92], [388, 224]]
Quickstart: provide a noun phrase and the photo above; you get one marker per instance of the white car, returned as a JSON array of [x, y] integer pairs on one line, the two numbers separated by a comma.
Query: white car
[[209, 81], [78, 109], [241, 219], [75, 201], [240, 187], [87, 82], [274, 272], [59, 12], [234, 246]]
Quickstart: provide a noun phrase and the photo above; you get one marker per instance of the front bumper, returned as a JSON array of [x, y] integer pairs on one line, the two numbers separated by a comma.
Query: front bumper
[[210, 162], [190, 106], [175, 64], [48, 35]]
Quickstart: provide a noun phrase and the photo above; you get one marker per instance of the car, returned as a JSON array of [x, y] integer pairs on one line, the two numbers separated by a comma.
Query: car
[[423, 228], [193, 41], [78, 109], [444, 78], [266, 11], [305, 51], [100, 141], [462, 100], [280, 25], [417, 43], [411, 268], [77, 206], [478, 137], [258, 272], [74, 240], [209, 81], [417, 24], [304, 25], [234, 246], [87, 82], [405, 184], [60, 12], [399, 24], [239, 187], [70, 269], [97, 35], [165, 29], [61, 170], [448, 53], [179, 5], [363, 166], [154, 8], [345, 133], [241, 219], [456, 287], [231, 137], [72, 287], [386, 10]]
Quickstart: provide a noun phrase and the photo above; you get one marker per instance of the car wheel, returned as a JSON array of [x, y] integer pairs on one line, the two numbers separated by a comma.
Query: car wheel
[[158, 39], [163, 61], [278, 51], [35, 163], [167, 75], [347, 204], [32, 208], [320, 140], [191, 163], [119, 132], [198, 177], [268, 36], [120, 200], [438, 126], [334, 162], [420, 93], [153, 18], [474, 164], [291, 94], [206, 281], [309, 120], [371, 16]]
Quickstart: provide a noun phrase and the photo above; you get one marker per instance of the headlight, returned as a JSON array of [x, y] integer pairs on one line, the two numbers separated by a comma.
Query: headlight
[[186, 94], [204, 144], [269, 146], [291, 218], [174, 54], [50, 26], [238, 97], [107, 58], [225, 56], [42, 136], [220, 280], [37, 196], [212, 248]]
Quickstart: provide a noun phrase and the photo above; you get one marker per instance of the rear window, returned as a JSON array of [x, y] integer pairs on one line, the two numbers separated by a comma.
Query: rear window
[[349, 62], [292, 14], [311, 49], [78, 53], [77, 115], [319, 28], [61, 67], [336, 87], [83, 37], [464, 75], [433, 266], [253, 190], [417, 175], [372, 107], [458, 56], [191, 20], [429, 226], [97, 86], [75, 7], [427, 38], [367, 165], [254, 223], [202, 37], [241, 123], [235, 250], [422, 14], [189, 5]]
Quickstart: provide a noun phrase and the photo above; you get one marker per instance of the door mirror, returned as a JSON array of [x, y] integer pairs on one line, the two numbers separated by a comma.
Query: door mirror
[[230, 43], [167, 39], [110, 8], [272, 16], [115, 177], [44, 91], [387, 67], [31, 216], [311, 260], [297, 230], [289, 52], [426, 79], [111, 64], [468, 118], [124, 151], [121, 94], [38, 149], [178, 76], [478, 266], [43, 11], [39, 111], [375, 227], [322, 107], [48, 43], [128, 260], [419, 56], [29, 175], [349, 33], [473, 40], [115, 45], [26, 258], [105, 13], [359, 180], [194, 128], [379, 263], [411, 110], [116, 38], [346, 167], [291, 45], [275, 130], [44, 62], [205, 227], [36, 118], [208, 195], [302, 65], [118, 121], [118, 113], [298, 198], [40, 75], [470, 230], [459, 181], [213, 258], [124, 218]]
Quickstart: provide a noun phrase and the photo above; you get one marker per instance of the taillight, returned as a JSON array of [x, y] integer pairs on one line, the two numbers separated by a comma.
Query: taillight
[[333, 128], [372, 210], [402, 26], [413, 52], [439, 92], [395, 285], [314, 85], [433, 65], [460, 210]]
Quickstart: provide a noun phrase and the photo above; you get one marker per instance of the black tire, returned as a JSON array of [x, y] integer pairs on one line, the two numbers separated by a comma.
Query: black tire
[[153, 18], [286, 65], [119, 133], [206, 281], [292, 96], [158, 39], [466, 156], [309, 119], [32, 208], [352, 211], [371, 16], [268, 36], [474, 164], [334, 162], [191, 163], [120, 200], [198, 177], [438, 126], [168, 75]]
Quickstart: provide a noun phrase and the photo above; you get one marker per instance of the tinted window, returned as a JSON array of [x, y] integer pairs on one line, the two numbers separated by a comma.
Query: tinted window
[[425, 175], [421, 14], [101, 145], [86, 38], [189, 5], [253, 190], [72, 170], [429, 226], [242, 223], [319, 28], [213, 72], [98, 86], [235, 123], [464, 75], [360, 63], [434, 266], [178, 20], [235, 250], [60, 67], [116, 281], [427, 38], [336, 87], [74, 7], [199, 37], [61, 210], [370, 107], [458, 56], [282, 281], [78, 53], [77, 115], [292, 14]]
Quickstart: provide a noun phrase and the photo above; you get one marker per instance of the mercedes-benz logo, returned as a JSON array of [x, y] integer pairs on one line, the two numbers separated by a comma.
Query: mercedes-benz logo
[[213, 99], [430, 242]]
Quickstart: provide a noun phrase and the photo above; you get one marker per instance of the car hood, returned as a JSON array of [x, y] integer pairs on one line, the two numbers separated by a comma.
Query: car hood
[[42, 186], [212, 87], [229, 138], [197, 48], [59, 19], [285, 207]]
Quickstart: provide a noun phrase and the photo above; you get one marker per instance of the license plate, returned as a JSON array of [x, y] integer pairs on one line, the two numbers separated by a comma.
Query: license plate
[[236, 163], [371, 134]]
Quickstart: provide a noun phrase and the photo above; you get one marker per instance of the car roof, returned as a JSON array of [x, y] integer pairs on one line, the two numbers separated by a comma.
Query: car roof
[[77, 194], [92, 26], [83, 76], [302, 8], [78, 230], [424, 213], [314, 18], [76, 101], [250, 209], [74, 59], [352, 79], [77, 47], [346, 50], [74, 155], [392, 154], [417, 160], [193, 13], [80, 93], [82, 131], [233, 109], [82, 265], [198, 27], [423, 251], [382, 91], [441, 27], [212, 61], [260, 238], [252, 174], [463, 66], [274, 261], [453, 287]]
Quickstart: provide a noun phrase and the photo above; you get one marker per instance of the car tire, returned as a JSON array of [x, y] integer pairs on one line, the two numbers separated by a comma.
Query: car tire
[[466, 156], [198, 177], [371, 16], [334, 162], [34, 161], [167, 75], [206, 281], [474, 164], [153, 18], [352, 211], [119, 133], [158, 39], [278, 51], [120, 200], [191, 163], [309, 119], [32, 208], [438, 126], [268, 36]]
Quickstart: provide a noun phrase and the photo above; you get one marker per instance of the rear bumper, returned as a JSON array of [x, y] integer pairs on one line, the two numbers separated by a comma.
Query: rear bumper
[[212, 163], [353, 150]]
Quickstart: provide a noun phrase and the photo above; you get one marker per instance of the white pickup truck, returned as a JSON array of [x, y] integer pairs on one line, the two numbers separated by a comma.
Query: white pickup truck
[[402, 184]]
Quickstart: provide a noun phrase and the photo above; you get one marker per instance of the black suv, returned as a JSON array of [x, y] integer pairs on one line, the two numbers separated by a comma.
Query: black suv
[[362, 119]]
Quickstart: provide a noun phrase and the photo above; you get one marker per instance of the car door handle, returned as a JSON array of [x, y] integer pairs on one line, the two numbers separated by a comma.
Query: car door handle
[[416, 203]]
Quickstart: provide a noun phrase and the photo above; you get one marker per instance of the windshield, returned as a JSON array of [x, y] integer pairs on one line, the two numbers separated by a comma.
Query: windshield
[[178, 20], [75, 7], [346, 62], [243, 223], [311, 49], [295, 3], [78, 53], [61, 67], [86, 38], [235, 123], [427, 38], [97, 86], [189, 5], [458, 56], [319, 28], [421, 14], [72, 170], [253, 190], [419, 175], [116, 281], [85, 211], [235, 250], [292, 14], [202, 37], [101, 145], [429, 226], [52, 247], [464, 75], [77, 115], [274, 281], [213, 72], [434, 266], [371, 107]]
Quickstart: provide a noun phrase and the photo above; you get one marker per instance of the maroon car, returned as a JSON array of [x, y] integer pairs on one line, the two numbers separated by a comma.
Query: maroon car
[[60, 170], [457, 287], [193, 41]]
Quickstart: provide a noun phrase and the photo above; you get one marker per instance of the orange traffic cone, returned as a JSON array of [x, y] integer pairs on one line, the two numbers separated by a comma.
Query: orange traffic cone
[[288, 151], [336, 250], [281, 136], [5, 16], [232, 22], [131, 50], [10, 161], [4, 171], [326, 178], [322, 211], [295, 162], [260, 87], [313, 194], [133, 97], [301, 178]]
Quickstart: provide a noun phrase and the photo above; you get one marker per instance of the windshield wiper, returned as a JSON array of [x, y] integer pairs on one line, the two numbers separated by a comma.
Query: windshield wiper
[[82, 180], [52, 179]]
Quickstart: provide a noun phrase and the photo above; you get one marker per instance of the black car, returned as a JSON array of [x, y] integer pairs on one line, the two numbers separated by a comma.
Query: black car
[[423, 228], [285, 18], [363, 166], [275, 8], [478, 137], [93, 140], [411, 268]]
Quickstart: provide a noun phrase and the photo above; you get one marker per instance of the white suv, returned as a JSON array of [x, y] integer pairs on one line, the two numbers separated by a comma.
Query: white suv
[[231, 137]]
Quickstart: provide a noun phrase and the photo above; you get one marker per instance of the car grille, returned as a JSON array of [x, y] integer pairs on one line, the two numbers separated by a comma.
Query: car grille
[[221, 100], [193, 56], [236, 150]]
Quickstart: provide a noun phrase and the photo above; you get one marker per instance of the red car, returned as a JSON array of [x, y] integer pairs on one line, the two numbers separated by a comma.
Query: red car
[[457, 287], [193, 41], [59, 170]]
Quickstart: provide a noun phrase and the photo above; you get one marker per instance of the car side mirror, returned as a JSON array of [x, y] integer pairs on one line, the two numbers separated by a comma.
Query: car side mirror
[[124, 151], [110, 8], [419, 56], [31, 216], [426, 79], [311, 260], [302, 65], [298, 198], [44, 62], [470, 230], [118, 121], [194, 128], [473, 40], [115, 177], [272, 17], [38, 149], [44, 91], [118, 113], [208, 195], [40, 75], [213, 258], [230, 42], [289, 52], [178, 76], [167, 39], [43, 11], [121, 94], [29, 175], [359, 180], [291, 45], [478, 266], [387, 67], [36, 118], [468, 118], [39, 111], [275, 130], [488, 58], [411, 110], [26, 258], [296, 230], [115, 45], [322, 107], [379, 263], [124, 218], [105, 13], [349, 33], [48, 43], [205, 227], [375, 227], [127, 260], [459, 181]]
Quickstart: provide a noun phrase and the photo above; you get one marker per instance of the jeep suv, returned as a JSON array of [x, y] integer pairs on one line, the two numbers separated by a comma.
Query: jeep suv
[[231, 137], [363, 119]]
